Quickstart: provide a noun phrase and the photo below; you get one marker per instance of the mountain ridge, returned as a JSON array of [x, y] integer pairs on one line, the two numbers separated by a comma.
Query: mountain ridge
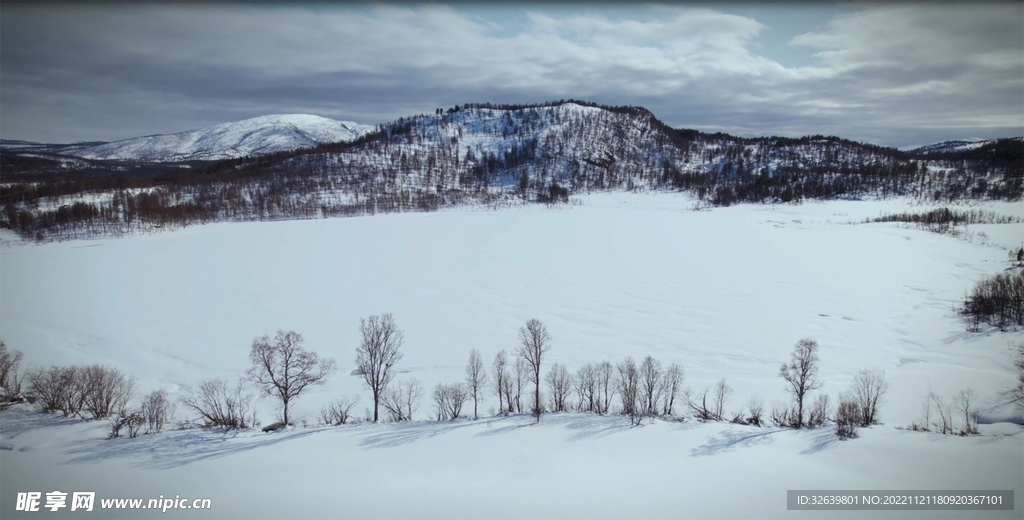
[[254, 136]]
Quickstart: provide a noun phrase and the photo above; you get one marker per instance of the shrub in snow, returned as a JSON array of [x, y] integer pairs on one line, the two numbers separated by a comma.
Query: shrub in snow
[[699, 405], [848, 417], [449, 399], [105, 390], [819, 411], [338, 412], [868, 388], [783, 415], [133, 421], [57, 389], [755, 409], [157, 410], [219, 405], [402, 399]]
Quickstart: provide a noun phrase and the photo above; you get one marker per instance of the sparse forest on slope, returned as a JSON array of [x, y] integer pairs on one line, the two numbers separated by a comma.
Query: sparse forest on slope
[[504, 154]]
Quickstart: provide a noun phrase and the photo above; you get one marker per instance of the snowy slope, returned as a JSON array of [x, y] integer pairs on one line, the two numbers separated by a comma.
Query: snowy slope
[[256, 136], [954, 146], [726, 293]]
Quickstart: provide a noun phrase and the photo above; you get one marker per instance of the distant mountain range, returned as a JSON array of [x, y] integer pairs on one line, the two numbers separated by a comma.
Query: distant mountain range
[[273, 134], [256, 136]]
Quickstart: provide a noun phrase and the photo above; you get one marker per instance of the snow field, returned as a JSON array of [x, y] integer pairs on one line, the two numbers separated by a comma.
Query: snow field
[[726, 293]]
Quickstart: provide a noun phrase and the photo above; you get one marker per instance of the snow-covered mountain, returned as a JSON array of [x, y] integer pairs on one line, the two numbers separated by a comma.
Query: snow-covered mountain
[[256, 136], [962, 145]]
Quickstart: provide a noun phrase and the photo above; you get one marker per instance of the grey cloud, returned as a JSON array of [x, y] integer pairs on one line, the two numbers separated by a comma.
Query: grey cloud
[[109, 71]]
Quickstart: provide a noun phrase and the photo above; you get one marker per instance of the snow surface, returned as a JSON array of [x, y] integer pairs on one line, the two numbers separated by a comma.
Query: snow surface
[[726, 293], [259, 135]]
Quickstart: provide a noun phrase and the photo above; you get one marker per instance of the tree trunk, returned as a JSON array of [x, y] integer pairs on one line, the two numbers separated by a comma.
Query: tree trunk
[[376, 401], [536, 400]]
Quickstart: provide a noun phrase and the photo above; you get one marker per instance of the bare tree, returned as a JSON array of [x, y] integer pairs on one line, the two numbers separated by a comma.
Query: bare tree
[[501, 380], [339, 411], [802, 374], [219, 405], [441, 397], [605, 373], [10, 361], [449, 399], [671, 382], [476, 377], [402, 400], [964, 402], [560, 383], [868, 388], [586, 388], [57, 389], [518, 383], [283, 369], [650, 385], [820, 411], [848, 416], [534, 342], [629, 390], [105, 390], [157, 410], [378, 354], [722, 393], [945, 424]]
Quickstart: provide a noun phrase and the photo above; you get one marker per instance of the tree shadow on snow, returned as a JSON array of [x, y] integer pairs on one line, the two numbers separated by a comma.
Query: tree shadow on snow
[[821, 438], [397, 434], [589, 426], [728, 440], [175, 449]]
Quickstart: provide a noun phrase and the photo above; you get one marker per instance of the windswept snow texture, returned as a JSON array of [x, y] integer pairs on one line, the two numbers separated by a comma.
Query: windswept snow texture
[[726, 293], [256, 136]]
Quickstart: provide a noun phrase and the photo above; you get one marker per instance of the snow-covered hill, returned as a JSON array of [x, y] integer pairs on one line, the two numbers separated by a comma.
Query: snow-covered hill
[[256, 136], [955, 146]]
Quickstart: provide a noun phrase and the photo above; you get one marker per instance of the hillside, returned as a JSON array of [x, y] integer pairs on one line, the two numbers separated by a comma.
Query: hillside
[[501, 155]]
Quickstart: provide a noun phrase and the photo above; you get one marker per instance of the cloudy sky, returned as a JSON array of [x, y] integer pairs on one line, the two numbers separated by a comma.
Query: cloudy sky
[[898, 75]]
